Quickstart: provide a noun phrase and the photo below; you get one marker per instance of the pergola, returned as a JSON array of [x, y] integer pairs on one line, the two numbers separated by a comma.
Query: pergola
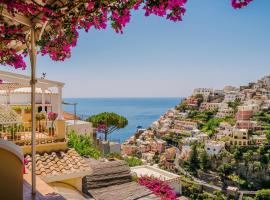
[[14, 81]]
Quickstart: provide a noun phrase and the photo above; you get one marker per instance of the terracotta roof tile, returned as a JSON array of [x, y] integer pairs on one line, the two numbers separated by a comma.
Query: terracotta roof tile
[[55, 163]]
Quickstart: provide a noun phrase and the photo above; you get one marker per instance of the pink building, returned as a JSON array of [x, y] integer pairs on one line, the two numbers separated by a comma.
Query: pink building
[[245, 124], [154, 147], [244, 114], [129, 149], [161, 146]]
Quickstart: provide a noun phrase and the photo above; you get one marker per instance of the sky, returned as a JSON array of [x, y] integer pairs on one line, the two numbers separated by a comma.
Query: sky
[[213, 46]]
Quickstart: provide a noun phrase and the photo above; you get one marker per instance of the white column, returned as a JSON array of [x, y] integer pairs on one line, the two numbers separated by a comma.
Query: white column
[[59, 102], [43, 99]]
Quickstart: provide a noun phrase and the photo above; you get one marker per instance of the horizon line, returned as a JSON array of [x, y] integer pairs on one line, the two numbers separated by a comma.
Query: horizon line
[[121, 97]]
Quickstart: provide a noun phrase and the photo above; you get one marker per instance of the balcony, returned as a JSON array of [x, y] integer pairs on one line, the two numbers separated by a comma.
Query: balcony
[[48, 137]]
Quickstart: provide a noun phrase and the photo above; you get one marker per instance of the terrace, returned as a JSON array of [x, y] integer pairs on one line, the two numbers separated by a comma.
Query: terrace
[[15, 112]]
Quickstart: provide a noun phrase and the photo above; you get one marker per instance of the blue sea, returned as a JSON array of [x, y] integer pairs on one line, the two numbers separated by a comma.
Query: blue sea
[[138, 111]]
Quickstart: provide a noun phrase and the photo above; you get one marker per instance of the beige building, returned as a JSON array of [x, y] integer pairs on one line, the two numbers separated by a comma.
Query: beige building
[[240, 137]]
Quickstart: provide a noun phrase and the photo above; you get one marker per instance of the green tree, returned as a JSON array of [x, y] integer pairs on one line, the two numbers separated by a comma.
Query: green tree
[[234, 105], [193, 159], [204, 160], [107, 122], [263, 194], [235, 178], [267, 133], [200, 99], [224, 170], [211, 126], [182, 107], [237, 154]]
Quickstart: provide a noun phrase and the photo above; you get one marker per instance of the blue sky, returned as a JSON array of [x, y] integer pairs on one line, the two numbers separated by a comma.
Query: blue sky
[[214, 46]]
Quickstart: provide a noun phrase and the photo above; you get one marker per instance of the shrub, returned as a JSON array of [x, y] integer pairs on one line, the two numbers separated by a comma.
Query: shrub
[[83, 145], [159, 187], [263, 194], [114, 156], [133, 161]]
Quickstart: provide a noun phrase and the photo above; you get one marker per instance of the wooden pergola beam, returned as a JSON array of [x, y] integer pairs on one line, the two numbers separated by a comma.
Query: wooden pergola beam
[[18, 18]]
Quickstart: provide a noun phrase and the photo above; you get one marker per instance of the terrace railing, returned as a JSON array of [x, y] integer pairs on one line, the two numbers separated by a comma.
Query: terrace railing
[[20, 134]]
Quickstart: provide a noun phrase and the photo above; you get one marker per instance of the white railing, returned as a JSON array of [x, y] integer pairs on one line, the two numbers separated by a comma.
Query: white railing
[[20, 134]]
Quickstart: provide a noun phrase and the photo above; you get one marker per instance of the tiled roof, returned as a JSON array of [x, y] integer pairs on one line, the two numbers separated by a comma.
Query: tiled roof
[[58, 163]]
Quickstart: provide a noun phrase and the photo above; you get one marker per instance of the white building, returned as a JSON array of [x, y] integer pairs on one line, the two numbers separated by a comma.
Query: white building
[[16, 91], [229, 88], [224, 111], [205, 92], [213, 147], [232, 96]]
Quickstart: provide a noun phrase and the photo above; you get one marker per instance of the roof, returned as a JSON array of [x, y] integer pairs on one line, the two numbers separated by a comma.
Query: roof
[[112, 180], [61, 165], [10, 86], [25, 80], [145, 170], [28, 90], [8, 115], [69, 116], [131, 190], [108, 173]]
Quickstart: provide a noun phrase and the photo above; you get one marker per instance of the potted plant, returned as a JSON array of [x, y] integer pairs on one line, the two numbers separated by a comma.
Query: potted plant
[[12, 130], [27, 109], [40, 116], [17, 109], [52, 117]]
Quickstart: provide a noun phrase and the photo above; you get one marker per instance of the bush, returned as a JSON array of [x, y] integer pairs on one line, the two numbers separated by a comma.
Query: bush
[[159, 187], [263, 194], [114, 156], [83, 145], [133, 161]]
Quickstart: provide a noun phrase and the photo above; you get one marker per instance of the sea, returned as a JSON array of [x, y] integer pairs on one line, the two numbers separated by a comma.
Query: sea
[[139, 111]]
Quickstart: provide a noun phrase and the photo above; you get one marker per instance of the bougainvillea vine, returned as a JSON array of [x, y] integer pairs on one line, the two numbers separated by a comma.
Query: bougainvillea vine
[[160, 188], [61, 22]]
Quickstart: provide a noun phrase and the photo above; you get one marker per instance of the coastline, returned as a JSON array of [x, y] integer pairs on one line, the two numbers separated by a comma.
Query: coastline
[[139, 111]]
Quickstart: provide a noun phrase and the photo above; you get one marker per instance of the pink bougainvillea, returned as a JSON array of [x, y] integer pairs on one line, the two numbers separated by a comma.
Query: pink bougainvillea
[[62, 22], [102, 128], [240, 3], [159, 187], [52, 116]]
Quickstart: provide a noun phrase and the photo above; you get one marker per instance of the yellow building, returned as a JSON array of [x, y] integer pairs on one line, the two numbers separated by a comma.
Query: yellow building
[[240, 137]]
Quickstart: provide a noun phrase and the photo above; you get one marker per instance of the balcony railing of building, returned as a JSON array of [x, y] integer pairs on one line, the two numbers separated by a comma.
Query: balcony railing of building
[[20, 134]]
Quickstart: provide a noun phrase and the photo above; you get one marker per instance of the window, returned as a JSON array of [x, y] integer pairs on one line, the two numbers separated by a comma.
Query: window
[[208, 148], [244, 138], [235, 137]]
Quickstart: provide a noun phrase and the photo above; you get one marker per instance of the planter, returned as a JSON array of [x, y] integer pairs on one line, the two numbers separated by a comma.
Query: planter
[[51, 131]]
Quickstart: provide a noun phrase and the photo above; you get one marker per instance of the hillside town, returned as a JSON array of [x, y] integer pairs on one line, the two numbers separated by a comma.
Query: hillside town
[[218, 138]]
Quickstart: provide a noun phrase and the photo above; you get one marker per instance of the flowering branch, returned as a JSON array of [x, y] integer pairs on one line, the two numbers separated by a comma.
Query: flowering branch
[[65, 19]]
